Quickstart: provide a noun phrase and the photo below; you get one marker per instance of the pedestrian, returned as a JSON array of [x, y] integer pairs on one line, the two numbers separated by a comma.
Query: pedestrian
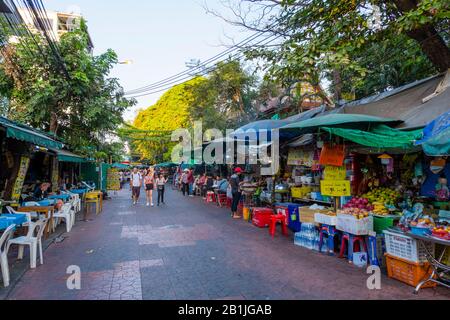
[[191, 180], [161, 187], [136, 185], [235, 183], [185, 182], [149, 182]]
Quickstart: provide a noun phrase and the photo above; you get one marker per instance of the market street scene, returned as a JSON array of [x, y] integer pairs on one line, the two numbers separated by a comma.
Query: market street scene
[[225, 150]]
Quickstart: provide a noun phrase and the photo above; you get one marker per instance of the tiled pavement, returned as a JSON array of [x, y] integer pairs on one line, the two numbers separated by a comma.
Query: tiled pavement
[[191, 250]]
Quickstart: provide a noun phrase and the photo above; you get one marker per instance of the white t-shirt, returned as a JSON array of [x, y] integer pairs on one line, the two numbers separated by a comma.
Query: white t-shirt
[[136, 179]]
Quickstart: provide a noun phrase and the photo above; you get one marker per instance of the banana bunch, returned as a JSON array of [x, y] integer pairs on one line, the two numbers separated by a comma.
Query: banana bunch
[[380, 209]]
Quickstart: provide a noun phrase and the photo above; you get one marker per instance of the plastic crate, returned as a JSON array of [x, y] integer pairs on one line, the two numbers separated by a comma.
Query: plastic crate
[[382, 223], [403, 246], [408, 272], [357, 227]]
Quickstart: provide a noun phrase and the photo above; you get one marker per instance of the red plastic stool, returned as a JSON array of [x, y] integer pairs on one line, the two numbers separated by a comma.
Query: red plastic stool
[[274, 220], [210, 197], [358, 241], [222, 200]]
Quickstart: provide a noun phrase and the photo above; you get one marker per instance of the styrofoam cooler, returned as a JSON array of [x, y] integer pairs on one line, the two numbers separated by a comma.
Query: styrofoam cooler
[[405, 247], [357, 227], [325, 219]]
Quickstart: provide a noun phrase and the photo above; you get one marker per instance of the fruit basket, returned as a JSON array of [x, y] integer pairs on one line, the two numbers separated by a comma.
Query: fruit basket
[[441, 233], [403, 246]]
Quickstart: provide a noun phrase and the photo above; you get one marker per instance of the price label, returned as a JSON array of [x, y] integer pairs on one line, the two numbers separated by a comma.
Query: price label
[[335, 173], [335, 188]]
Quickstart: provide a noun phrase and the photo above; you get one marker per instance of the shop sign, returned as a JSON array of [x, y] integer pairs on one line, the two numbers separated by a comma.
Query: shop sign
[[113, 179], [335, 173], [335, 188], [332, 155], [18, 185], [300, 157]]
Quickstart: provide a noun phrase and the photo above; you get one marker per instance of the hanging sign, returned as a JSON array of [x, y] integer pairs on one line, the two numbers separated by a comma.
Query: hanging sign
[[300, 157], [332, 155], [335, 188], [18, 185], [335, 173], [113, 179]]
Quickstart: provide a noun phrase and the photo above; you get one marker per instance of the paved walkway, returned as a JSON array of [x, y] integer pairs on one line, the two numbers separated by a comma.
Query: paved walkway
[[191, 250]]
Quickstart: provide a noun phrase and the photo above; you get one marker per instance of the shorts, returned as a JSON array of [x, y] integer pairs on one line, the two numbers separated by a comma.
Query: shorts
[[149, 187], [136, 192]]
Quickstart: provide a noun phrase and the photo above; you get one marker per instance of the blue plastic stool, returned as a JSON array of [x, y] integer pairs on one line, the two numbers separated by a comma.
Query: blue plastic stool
[[329, 232], [352, 240]]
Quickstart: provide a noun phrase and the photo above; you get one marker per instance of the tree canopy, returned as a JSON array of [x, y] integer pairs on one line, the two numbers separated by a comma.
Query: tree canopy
[[357, 44], [82, 106]]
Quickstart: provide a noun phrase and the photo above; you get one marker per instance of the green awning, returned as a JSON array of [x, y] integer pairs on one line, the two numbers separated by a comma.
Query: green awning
[[350, 121], [67, 156], [166, 165], [21, 132], [379, 136], [120, 166]]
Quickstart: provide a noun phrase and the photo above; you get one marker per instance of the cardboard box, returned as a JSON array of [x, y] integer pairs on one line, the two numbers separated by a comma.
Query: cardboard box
[[307, 215]]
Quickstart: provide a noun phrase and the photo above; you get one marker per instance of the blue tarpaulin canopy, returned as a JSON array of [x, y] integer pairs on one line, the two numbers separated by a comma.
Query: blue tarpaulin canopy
[[268, 125], [436, 137]]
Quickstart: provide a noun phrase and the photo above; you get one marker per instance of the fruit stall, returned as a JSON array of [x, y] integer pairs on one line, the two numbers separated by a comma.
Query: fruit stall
[[369, 208]]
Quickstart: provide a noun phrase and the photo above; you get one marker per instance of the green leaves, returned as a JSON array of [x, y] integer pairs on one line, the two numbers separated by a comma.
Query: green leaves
[[82, 109]]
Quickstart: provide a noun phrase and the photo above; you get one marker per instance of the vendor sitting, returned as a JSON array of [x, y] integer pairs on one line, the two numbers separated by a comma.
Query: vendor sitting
[[208, 186], [41, 192]]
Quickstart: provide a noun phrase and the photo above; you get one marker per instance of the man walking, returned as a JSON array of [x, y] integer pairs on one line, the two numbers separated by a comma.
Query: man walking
[[136, 185], [235, 184]]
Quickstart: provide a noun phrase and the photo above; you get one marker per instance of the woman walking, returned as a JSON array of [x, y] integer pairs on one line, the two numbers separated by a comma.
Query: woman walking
[[161, 187], [235, 184], [149, 182]]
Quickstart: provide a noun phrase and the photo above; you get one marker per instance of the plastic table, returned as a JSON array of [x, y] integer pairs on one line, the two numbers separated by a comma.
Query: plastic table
[[7, 220], [47, 202], [439, 269], [64, 197], [79, 191]]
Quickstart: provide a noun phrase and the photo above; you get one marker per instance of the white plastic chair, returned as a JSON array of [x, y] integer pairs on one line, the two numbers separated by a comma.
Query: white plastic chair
[[6, 236], [65, 213], [33, 239]]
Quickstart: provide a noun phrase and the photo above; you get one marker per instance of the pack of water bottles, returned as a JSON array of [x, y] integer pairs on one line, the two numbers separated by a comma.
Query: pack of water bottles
[[308, 237]]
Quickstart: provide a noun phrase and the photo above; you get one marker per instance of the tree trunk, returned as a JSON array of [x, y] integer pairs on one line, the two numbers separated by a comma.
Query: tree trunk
[[433, 46], [54, 123], [430, 41], [337, 79]]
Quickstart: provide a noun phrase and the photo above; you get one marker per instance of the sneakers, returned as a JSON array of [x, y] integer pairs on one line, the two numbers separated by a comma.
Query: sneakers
[[148, 204], [153, 205]]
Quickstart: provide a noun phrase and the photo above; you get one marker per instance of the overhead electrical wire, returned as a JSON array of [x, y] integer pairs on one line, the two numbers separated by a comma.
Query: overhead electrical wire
[[202, 65], [166, 86]]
